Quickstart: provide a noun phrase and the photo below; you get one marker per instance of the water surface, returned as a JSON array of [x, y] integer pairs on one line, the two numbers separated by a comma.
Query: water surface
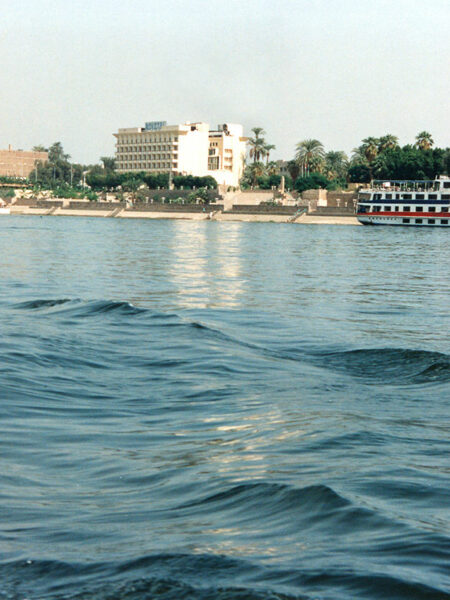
[[203, 410]]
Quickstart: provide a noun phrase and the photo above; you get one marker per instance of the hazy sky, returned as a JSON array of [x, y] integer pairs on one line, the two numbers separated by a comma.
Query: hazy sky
[[76, 70]]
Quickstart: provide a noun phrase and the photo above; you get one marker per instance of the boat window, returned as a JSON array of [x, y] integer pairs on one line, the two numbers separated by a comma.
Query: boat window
[[420, 196], [432, 209], [419, 220], [406, 208], [388, 208], [445, 196], [444, 208], [405, 220], [396, 209], [444, 221], [407, 196], [388, 196], [447, 184], [431, 221], [419, 208], [432, 196]]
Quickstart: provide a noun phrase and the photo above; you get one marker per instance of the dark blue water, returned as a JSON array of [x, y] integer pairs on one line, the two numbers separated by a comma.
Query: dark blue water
[[223, 411]]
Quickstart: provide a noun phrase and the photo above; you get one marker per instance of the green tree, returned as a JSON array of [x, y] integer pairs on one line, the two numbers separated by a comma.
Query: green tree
[[336, 164], [358, 156], [311, 182], [272, 168], [387, 142], [359, 173], [56, 153], [40, 148], [267, 149], [424, 140], [294, 169], [310, 155], [257, 144], [251, 174], [109, 163]]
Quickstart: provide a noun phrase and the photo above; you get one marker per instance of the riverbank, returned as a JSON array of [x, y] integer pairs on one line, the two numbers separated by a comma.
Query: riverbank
[[209, 214]]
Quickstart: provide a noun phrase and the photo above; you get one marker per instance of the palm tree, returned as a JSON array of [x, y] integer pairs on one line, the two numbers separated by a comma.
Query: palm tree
[[424, 140], [387, 142], [257, 144], [272, 168], [358, 156], [255, 170], [258, 131], [309, 155], [267, 149], [370, 149], [294, 170], [336, 163]]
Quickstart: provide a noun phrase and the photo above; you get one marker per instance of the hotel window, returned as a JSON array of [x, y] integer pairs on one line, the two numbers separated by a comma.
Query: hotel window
[[213, 163]]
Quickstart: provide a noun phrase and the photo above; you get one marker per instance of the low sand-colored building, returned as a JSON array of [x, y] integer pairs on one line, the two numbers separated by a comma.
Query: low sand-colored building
[[19, 163]]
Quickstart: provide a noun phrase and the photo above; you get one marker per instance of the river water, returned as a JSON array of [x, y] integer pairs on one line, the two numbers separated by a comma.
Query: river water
[[202, 410]]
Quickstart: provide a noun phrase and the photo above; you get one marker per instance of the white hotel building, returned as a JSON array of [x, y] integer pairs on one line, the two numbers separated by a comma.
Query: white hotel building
[[188, 149]]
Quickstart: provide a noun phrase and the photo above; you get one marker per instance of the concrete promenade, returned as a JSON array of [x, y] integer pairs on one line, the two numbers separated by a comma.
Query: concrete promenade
[[209, 215]]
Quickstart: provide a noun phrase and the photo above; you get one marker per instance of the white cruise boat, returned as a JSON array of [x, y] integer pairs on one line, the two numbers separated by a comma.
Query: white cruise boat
[[424, 203]]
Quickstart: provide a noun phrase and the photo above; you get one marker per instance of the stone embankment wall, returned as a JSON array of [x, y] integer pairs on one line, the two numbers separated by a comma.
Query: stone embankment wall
[[333, 211], [263, 209], [166, 207], [157, 195], [231, 199]]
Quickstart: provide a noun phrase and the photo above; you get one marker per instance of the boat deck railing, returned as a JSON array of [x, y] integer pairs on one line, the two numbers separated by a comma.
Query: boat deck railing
[[404, 186]]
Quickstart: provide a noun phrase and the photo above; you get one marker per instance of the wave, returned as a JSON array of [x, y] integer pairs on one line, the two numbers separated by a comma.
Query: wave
[[400, 366], [205, 577], [82, 308], [390, 365], [274, 495], [35, 304]]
